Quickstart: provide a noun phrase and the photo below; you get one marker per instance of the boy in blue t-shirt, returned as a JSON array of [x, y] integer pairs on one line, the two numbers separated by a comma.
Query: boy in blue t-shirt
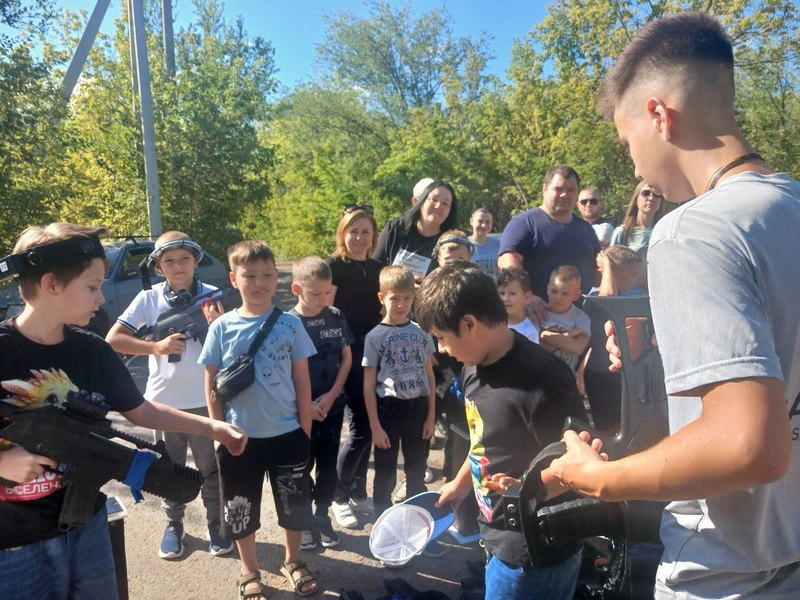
[[328, 368], [399, 389], [275, 412]]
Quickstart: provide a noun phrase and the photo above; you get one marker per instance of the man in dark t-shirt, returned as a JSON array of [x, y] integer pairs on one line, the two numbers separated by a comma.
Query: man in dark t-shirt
[[549, 236], [517, 396]]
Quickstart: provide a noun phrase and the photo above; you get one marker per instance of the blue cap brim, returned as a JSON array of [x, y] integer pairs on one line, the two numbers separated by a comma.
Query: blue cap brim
[[443, 516]]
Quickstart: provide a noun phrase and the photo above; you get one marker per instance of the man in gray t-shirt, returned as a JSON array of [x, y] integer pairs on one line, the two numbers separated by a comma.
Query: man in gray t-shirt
[[725, 282]]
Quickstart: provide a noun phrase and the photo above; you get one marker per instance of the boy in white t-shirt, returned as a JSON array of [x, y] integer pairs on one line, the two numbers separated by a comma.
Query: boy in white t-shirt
[[514, 288], [566, 329], [177, 384]]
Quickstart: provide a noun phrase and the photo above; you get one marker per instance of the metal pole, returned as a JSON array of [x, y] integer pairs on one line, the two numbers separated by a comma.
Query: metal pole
[[169, 41], [148, 130], [134, 83], [82, 51]]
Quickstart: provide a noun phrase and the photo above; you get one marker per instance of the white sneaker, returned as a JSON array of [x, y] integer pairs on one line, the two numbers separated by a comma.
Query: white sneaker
[[401, 495], [362, 505], [428, 475], [344, 515]]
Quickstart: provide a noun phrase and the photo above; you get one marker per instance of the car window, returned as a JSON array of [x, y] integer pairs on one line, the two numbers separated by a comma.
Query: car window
[[129, 269]]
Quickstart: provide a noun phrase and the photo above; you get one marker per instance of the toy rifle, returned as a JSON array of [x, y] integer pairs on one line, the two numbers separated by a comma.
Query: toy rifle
[[552, 528], [78, 436], [187, 316]]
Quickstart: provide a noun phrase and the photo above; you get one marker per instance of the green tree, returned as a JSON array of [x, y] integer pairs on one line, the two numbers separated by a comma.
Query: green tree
[[397, 62], [211, 164]]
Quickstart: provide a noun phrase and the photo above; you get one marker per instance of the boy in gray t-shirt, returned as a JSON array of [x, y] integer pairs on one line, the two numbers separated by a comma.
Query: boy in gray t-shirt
[[399, 389]]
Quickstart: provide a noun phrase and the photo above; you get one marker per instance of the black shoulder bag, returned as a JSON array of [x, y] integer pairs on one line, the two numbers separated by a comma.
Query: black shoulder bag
[[241, 373]]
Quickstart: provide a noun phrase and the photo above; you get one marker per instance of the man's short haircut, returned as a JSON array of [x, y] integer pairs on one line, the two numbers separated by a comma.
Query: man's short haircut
[[249, 251], [453, 291], [308, 269], [507, 276], [683, 40], [622, 257], [396, 279], [565, 171], [594, 190], [565, 273], [54, 232]]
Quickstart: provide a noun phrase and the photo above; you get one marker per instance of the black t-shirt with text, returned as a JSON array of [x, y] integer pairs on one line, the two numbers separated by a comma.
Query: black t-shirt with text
[[29, 513], [515, 407]]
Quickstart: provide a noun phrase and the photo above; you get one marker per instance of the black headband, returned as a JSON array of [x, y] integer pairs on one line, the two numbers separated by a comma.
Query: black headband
[[49, 256]]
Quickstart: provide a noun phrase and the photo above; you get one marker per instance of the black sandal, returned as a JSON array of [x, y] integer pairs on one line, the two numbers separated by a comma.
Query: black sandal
[[245, 580]]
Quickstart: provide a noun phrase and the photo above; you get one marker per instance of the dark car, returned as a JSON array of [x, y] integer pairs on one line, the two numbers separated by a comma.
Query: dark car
[[122, 281]]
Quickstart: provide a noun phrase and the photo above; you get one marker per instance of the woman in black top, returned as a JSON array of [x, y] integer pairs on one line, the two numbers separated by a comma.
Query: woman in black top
[[410, 239], [355, 284]]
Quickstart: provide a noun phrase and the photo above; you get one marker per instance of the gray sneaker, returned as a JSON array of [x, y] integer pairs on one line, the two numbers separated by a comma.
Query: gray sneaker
[[308, 541], [328, 537]]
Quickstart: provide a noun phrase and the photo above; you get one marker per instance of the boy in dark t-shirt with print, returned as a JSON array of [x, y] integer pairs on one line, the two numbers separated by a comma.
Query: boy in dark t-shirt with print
[[517, 396], [328, 369], [60, 270]]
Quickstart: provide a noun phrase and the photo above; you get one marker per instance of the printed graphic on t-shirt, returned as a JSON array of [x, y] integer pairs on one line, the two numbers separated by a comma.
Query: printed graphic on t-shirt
[[405, 360], [32, 394], [415, 263], [479, 463]]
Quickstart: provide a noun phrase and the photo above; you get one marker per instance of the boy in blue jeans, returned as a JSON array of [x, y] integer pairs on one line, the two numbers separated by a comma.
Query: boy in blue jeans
[[177, 384], [60, 270], [399, 389], [517, 396], [276, 413], [328, 368]]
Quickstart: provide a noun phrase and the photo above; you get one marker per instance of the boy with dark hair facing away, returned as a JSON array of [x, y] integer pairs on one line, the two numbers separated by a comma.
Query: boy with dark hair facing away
[[276, 413], [565, 331], [328, 369], [399, 389], [517, 396], [177, 384], [514, 288], [619, 268], [62, 290]]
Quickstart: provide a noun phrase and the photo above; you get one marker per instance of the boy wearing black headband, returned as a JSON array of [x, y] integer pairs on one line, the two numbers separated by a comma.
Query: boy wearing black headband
[[60, 269], [178, 384]]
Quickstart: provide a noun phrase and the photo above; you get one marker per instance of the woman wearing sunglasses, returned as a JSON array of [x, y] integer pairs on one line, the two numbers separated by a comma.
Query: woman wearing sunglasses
[[355, 293], [410, 239], [644, 210]]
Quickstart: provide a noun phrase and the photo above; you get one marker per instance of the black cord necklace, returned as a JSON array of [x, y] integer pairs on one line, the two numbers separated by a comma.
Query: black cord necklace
[[753, 156]]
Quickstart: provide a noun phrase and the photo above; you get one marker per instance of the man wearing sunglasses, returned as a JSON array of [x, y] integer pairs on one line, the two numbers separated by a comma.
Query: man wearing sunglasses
[[590, 206]]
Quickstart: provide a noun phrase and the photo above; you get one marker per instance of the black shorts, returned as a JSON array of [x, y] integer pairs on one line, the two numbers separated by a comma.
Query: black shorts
[[285, 459]]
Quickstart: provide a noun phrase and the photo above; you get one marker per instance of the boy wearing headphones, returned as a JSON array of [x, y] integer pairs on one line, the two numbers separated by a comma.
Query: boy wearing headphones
[[178, 384]]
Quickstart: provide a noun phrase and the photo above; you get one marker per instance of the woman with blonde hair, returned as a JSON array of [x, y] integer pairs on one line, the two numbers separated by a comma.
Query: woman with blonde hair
[[355, 293], [645, 208]]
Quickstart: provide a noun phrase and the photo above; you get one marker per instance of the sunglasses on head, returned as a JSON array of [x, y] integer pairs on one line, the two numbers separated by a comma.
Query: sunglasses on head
[[592, 201], [648, 193], [367, 208]]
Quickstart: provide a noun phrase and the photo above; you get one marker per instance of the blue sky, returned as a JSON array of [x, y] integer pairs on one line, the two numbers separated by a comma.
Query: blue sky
[[295, 26]]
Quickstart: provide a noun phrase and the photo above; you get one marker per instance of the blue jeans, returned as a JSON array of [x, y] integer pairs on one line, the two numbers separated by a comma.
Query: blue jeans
[[509, 582], [77, 565]]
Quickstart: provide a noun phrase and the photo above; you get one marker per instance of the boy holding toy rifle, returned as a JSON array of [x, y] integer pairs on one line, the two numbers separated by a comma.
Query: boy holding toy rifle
[[175, 378], [60, 270]]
